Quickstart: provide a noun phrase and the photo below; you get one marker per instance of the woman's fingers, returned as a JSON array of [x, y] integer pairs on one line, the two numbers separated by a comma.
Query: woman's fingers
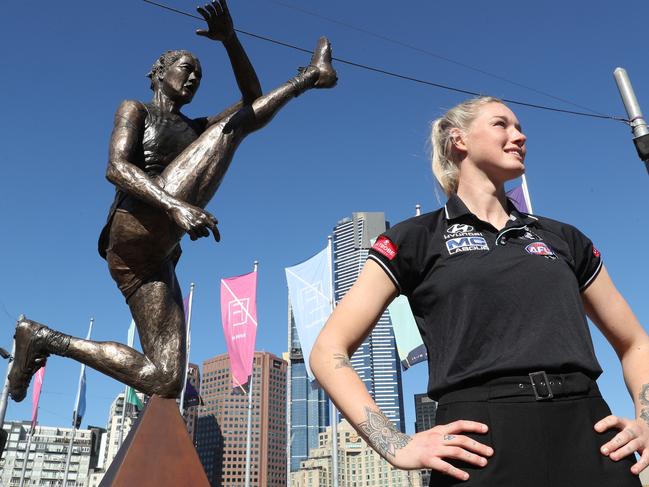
[[461, 454], [447, 469], [642, 463], [626, 434], [468, 444], [464, 425]]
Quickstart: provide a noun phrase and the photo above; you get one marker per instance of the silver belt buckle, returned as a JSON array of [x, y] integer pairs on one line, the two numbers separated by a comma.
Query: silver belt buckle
[[539, 380]]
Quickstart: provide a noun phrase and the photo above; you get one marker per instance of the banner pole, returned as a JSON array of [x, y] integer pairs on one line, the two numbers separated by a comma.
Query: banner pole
[[188, 339], [526, 194], [333, 411], [249, 432]]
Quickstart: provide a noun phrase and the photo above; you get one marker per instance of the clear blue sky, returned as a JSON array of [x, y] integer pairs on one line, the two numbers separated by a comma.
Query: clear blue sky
[[359, 147]]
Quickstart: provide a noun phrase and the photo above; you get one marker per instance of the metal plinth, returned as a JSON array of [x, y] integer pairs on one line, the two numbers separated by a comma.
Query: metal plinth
[[157, 452]]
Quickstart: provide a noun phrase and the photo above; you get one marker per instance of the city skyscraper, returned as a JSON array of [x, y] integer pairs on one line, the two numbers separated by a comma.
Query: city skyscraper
[[221, 431], [425, 412], [376, 361], [309, 403], [191, 412]]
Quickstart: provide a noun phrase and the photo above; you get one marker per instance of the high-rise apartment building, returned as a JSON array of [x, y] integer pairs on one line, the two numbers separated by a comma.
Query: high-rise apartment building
[[309, 404], [222, 423], [119, 425], [358, 464], [376, 361], [425, 412], [48, 450]]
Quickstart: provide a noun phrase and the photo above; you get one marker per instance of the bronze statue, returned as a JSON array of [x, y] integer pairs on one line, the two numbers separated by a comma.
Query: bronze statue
[[166, 167]]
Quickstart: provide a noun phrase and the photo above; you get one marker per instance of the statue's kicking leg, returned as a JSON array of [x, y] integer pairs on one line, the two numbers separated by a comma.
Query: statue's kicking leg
[[196, 173], [158, 312]]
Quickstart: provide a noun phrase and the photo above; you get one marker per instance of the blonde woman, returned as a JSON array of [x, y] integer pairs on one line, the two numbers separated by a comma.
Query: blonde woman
[[500, 298]]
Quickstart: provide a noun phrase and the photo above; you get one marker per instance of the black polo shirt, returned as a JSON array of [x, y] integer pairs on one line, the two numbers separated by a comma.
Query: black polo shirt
[[492, 303]]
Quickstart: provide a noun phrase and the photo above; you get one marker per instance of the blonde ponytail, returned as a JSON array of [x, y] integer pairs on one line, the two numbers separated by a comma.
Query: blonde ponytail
[[444, 159]]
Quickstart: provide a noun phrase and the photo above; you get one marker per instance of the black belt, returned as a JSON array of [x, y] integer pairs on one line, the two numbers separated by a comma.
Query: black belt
[[537, 385]]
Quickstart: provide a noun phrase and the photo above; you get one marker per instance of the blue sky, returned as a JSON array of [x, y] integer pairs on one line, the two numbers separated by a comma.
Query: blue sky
[[359, 147]]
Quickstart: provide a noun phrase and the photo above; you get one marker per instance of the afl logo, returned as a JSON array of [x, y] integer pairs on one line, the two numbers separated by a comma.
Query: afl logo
[[539, 248], [459, 228]]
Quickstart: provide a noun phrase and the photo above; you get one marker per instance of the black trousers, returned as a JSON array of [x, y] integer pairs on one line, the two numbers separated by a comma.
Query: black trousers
[[538, 440]]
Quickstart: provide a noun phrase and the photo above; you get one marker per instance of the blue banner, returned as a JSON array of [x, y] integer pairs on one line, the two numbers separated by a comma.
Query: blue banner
[[310, 292]]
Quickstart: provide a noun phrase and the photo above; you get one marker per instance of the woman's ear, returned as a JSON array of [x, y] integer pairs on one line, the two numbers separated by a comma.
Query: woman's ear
[[457, 139]]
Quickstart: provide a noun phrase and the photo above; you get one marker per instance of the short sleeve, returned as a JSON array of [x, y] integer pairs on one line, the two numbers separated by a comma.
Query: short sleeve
[[401, 252], [587, 259]]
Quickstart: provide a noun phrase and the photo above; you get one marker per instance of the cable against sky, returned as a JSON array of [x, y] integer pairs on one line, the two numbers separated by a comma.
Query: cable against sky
[[409, 78]]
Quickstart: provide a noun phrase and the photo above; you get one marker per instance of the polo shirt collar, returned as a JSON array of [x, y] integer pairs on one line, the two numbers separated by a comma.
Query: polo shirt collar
[[455, 208]]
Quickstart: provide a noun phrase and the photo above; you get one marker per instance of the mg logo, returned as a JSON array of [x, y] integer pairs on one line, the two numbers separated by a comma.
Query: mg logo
[[459, 228]]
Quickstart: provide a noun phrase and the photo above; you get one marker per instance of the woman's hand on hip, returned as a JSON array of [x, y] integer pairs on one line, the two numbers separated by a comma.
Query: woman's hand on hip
[[632, 437], [431, 449]]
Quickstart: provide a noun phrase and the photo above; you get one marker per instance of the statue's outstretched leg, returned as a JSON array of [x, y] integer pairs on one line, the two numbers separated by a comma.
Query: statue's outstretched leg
[[158, 312], [195, 175], [156, 305]]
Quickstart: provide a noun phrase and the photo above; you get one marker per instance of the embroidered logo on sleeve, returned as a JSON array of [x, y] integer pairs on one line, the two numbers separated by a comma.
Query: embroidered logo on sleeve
[[540, 248], [385, 247], [596, 252]]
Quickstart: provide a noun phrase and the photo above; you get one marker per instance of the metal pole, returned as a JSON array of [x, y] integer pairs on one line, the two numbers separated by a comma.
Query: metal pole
[[333, 413], [289, 436], [75, 413], [249, 432], [188, 342], [29, 443], [638, 124], [631, 104], [5, 389], [526, 194], [69, 457]]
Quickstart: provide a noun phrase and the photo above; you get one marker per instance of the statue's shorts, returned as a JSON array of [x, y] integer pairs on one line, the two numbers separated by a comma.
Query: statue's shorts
[[140, 242]]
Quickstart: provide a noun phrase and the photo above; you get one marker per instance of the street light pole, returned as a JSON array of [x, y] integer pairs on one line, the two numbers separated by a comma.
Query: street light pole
[[4, 397]]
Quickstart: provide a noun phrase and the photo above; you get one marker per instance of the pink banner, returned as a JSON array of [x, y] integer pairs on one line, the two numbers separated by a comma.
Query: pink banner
[[36, 393], [239, 316]]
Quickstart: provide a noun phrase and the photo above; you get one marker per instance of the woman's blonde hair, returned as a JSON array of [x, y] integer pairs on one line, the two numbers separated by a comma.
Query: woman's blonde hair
[[445, 168]]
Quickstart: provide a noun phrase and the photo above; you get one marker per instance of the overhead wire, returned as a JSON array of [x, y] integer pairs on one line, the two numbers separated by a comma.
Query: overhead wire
[[404, 77], [427, 52]]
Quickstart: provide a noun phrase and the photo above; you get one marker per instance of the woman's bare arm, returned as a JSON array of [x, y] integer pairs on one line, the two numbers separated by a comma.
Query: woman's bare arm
[[613, 316], [349, 324]]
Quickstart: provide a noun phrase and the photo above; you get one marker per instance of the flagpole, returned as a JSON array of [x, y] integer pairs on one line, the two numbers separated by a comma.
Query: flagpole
[[333, 412], [29, 443], [188, 342], [131, 341], [526, 194], [249, 432], [289, 446], [75, 413]]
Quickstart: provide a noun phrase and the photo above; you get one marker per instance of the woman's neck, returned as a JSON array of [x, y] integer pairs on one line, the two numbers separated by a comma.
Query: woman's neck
[[486, 201]]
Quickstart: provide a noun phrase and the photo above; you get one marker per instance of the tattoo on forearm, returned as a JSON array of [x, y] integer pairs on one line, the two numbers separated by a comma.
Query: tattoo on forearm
[[644, 400], [381, 433], [342, 360]]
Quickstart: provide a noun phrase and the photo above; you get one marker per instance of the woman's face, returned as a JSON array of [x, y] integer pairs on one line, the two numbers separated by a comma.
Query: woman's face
[[494, 142], [182, 79]]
